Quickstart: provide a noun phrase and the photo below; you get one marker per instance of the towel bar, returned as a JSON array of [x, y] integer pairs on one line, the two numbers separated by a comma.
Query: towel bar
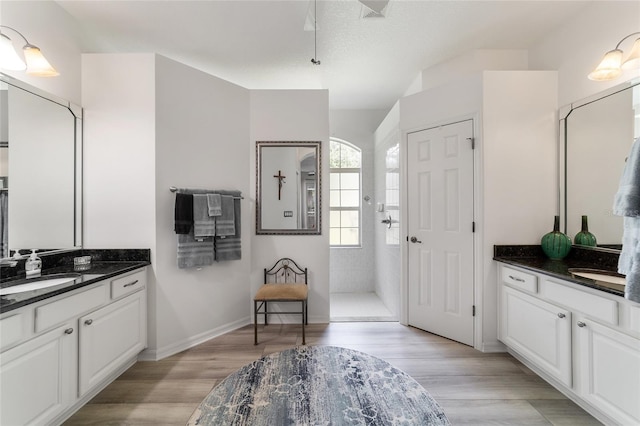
[[174, 189]]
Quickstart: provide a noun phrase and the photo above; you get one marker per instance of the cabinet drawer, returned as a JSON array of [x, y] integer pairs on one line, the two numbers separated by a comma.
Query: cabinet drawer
[[594, 306], [14, 329], [128, 284], [520, 280], [69, 307]]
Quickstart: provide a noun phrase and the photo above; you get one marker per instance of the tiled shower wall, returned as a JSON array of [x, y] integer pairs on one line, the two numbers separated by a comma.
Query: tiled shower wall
[[387, 239]]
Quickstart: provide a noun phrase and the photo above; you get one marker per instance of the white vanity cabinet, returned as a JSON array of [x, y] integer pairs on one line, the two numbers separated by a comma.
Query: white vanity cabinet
[[608, 370], [109, 337], [61, 351], [538, 330], [583, 341], [38, 378]]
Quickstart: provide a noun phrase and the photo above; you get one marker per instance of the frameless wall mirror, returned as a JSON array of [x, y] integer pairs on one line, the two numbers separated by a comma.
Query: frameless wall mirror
[[40, 170], [288, 188], [597, 134]]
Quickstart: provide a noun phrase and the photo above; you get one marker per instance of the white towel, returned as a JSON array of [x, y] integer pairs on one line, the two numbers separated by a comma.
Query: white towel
[[627, 203]]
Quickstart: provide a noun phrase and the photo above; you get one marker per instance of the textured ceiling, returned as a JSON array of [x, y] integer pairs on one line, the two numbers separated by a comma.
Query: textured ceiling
[[262, 44]]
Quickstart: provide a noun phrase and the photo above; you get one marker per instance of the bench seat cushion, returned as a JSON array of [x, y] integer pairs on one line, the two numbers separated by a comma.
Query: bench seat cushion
[[282, 292]]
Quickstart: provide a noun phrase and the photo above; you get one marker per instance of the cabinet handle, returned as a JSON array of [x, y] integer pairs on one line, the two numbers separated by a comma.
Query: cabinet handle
[[581, 324], [68, 331], [88, 322], [520, 280], [131, 283], [561, 315]]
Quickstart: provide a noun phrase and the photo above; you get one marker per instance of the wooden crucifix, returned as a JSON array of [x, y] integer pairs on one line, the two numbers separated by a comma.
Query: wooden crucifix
[[280, 178]]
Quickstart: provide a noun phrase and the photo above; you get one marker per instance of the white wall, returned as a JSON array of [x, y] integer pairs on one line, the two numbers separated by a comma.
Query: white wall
[[153, 123], [119, 150], [473, 62], [202, 128], [515, 123], [519, 170], [353, 269], [56, 33], [387, 240], [119, 157], [576, 48], [293, 115]]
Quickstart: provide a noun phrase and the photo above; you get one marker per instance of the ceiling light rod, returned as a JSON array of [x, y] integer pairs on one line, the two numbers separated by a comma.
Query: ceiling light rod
[[611, 65], [34, 61], [315, 61]]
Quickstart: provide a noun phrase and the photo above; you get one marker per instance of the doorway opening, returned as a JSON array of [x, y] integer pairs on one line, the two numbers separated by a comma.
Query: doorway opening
[[355, 217]]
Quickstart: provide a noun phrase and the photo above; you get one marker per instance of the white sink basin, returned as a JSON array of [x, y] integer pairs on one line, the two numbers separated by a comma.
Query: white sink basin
[[37, 284], [605, 278]]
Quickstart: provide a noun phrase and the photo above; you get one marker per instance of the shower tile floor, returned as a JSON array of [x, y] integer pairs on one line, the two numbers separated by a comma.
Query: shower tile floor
[[358, 307]]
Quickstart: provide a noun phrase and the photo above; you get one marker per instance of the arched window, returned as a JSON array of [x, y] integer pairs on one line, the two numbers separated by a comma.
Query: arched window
[[345, 164]]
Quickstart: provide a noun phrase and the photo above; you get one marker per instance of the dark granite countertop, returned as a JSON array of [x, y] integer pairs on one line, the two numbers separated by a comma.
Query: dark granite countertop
[[534, 259], [105, 264]]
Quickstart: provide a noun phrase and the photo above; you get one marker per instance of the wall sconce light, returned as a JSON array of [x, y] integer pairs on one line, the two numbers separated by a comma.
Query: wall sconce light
[[34, 61], [611, 65]]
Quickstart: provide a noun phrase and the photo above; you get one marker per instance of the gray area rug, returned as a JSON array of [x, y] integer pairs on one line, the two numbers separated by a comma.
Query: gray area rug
[[319, 385]]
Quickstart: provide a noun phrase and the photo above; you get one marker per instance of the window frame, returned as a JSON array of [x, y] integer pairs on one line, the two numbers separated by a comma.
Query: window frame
[[358, 208]]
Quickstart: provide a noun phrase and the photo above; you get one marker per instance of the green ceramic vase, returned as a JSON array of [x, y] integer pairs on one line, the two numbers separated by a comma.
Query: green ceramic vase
[[555, 244], [584, 237]]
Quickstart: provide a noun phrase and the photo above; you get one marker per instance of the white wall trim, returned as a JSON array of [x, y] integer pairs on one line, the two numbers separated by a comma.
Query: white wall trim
[[174, 348]]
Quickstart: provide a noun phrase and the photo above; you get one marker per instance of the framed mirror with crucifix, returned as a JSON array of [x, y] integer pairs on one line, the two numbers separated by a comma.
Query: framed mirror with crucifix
[[288, 187]]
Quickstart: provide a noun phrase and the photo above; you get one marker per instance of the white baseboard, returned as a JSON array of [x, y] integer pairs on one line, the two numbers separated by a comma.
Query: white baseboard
[[174, 348]]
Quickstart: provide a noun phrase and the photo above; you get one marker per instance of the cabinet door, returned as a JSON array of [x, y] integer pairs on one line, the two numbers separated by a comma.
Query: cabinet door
[[538, 331], [109, 337], [609, 370], [38, 378]]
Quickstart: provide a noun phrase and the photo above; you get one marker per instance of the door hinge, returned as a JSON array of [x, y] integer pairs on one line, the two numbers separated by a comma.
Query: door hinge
[[473, 313], [473, 227], [473, 142]]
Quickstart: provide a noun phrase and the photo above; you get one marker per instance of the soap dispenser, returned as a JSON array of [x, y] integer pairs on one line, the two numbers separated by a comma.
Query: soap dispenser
[[33, 265]]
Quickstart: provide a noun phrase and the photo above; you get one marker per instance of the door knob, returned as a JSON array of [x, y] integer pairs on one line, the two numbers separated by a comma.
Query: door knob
[[415, 240]]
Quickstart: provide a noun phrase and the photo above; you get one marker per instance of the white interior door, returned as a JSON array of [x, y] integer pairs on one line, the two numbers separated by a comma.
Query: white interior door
[[440, 221]]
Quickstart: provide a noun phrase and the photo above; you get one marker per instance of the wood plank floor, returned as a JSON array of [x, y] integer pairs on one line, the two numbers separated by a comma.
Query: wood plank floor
[[472, 387]]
